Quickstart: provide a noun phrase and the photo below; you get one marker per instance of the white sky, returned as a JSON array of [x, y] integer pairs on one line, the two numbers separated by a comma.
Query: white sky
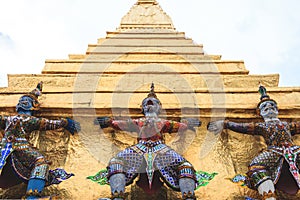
[[263, 33]]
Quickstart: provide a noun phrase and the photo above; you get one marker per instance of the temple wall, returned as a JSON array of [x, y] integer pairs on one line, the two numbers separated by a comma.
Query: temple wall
[[86, 153]]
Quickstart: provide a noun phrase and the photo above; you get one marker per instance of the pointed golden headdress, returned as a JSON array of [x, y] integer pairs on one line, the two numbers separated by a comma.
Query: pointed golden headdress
[[263, 98], [29, 101]]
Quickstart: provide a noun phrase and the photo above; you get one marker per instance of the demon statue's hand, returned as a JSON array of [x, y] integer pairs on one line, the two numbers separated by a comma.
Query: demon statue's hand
[[104, 122], [216, 126], [73, 126], [191, 123]]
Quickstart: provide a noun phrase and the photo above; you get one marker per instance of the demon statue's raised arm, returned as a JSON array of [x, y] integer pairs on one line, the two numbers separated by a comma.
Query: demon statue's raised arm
[[150, 158], [19, 161], [278, 166]]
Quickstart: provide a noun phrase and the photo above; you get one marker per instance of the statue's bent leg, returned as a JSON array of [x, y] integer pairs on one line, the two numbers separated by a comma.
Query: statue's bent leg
[[187, 182], [37, 179], [260, 176], [116, 179]]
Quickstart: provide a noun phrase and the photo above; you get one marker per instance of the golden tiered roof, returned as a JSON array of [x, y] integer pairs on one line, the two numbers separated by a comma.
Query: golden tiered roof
[[144, 48]]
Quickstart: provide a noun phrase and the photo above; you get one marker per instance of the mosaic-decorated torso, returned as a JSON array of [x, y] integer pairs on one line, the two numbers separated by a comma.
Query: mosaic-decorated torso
[[276, 133], [149, 128], [18, 128]]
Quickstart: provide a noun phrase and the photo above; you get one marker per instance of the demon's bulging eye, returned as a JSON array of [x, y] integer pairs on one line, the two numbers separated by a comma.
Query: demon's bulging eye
[[262, 106], [274, 105]]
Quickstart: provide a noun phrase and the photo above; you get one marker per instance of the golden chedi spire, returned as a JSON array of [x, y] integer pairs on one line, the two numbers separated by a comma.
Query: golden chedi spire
[[147, 2], [146, 14]]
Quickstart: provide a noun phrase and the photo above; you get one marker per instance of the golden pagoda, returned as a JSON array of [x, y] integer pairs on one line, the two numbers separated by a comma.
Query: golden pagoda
[[112, 78]]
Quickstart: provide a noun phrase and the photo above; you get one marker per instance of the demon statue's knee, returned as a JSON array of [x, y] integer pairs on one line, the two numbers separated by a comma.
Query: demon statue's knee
[[187, 181], [116, 179], [38, 177], [187, 187], [267, 190], [117, 186], [260, 179]]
